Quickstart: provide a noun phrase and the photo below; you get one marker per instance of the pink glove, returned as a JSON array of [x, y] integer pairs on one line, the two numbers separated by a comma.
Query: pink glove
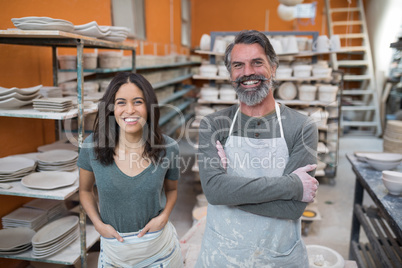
[[222, 154], [310, 184]]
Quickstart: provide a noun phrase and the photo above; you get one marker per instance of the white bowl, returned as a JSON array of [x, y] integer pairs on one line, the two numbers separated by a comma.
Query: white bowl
[[287, 91], [382, 165], [307, 92], [320, 256], [384, 157], [392, 175], [394, 187]]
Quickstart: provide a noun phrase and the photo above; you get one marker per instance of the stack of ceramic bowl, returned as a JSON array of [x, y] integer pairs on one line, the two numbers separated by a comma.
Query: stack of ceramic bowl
[[55, 236], [209, 93], [392, 181], [13, 168], [57, 160], [42, 23], [209, 70], [307, 92], [15, 240], [327, 93], [25, 217], [383, 161], [14, 97], [302, 70], [393, 136], [67, 62], [202, 110], [53, 208], [52, 105], [110, 59], [283, 72], [227, 93]]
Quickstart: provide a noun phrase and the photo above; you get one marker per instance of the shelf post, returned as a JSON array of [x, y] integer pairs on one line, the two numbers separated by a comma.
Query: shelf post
[[81, 129]]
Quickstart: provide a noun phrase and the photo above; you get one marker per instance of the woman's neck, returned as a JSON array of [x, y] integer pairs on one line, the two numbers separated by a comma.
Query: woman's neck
[[130, 143]]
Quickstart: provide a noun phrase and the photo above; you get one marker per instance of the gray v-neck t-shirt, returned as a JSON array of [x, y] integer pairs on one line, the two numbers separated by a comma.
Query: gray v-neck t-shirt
[[277, 197], [129, 203]]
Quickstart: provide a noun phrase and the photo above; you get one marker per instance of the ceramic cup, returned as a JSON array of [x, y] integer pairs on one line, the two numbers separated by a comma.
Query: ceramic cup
[[292, 45], [335, 42], [277, 45], [322, 44], [219, 45]]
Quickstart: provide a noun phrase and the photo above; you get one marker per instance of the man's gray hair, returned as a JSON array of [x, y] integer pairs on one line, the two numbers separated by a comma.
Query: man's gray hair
[[250, 37]]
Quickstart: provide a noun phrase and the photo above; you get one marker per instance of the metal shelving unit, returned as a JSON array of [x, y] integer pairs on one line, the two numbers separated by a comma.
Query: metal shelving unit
[[55, 39]]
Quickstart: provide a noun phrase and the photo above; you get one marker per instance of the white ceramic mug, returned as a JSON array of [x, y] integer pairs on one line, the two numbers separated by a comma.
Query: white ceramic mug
[[335, 42], [292, 45], [322, 44], [219, 45], [277, 45]]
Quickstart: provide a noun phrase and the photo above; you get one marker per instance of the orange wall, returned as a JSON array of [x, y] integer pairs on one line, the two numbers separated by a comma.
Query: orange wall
[[237, 15]]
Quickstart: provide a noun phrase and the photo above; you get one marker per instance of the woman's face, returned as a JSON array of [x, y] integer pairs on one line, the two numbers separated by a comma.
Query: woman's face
[[129, 109]]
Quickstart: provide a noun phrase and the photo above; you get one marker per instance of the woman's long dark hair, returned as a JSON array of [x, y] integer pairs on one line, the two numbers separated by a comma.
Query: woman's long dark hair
[[106, 129]]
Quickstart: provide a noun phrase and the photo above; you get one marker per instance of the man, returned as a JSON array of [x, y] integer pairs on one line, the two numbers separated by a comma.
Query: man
[[254, 160]]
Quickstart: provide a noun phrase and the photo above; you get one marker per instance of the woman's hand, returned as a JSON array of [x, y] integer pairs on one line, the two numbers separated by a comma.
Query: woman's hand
[[108, 231], [222, 154], [154, 225]]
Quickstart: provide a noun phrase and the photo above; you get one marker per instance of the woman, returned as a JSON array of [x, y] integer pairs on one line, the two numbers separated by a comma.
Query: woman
[[135, 169]]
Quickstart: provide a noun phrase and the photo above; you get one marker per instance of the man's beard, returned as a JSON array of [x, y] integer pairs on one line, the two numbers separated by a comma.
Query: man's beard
[[255, 95]]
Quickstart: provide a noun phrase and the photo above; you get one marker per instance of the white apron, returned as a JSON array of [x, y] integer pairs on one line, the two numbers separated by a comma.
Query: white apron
[[235, 238], [155, 249]]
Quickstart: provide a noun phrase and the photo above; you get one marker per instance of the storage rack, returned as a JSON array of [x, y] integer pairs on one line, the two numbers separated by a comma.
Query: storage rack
[[55, 39], [382, 223], [330, 158]]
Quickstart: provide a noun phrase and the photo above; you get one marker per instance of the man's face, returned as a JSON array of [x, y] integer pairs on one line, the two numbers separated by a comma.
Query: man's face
[[252, 73]]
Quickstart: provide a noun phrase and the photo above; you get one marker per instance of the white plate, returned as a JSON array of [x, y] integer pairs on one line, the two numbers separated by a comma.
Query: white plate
[[92, 31], [55, 229], [12, 164], [47, 180], [13, 103], [22, 91], [41, 19], [57, 146], [15, 237], [44, 204], [58, 156], [47, 26], [24, 215], [19, 96]]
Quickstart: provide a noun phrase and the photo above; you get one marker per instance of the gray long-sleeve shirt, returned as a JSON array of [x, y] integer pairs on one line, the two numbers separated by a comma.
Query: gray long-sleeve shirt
[[277, 197]]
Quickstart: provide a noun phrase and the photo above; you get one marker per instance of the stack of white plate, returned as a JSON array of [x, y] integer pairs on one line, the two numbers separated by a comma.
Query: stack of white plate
[[25, 217], [15, 240], [393, 136], [42, 23], [48, 180], [16, 97], [53, 208], [58, 145], [13, 168], [57, 160], [116, 34], [52, 104], [91, 29], [55, 236]]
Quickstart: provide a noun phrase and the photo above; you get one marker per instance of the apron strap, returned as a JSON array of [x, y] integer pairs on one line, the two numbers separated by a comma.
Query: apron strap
[[234, 120], [278, 114]]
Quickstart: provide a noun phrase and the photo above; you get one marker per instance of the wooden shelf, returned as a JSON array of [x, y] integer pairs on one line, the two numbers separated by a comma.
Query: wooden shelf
[[171, 81]]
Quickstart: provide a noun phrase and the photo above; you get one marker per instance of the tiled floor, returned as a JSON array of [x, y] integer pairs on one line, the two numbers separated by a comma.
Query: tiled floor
[[334, 201]]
